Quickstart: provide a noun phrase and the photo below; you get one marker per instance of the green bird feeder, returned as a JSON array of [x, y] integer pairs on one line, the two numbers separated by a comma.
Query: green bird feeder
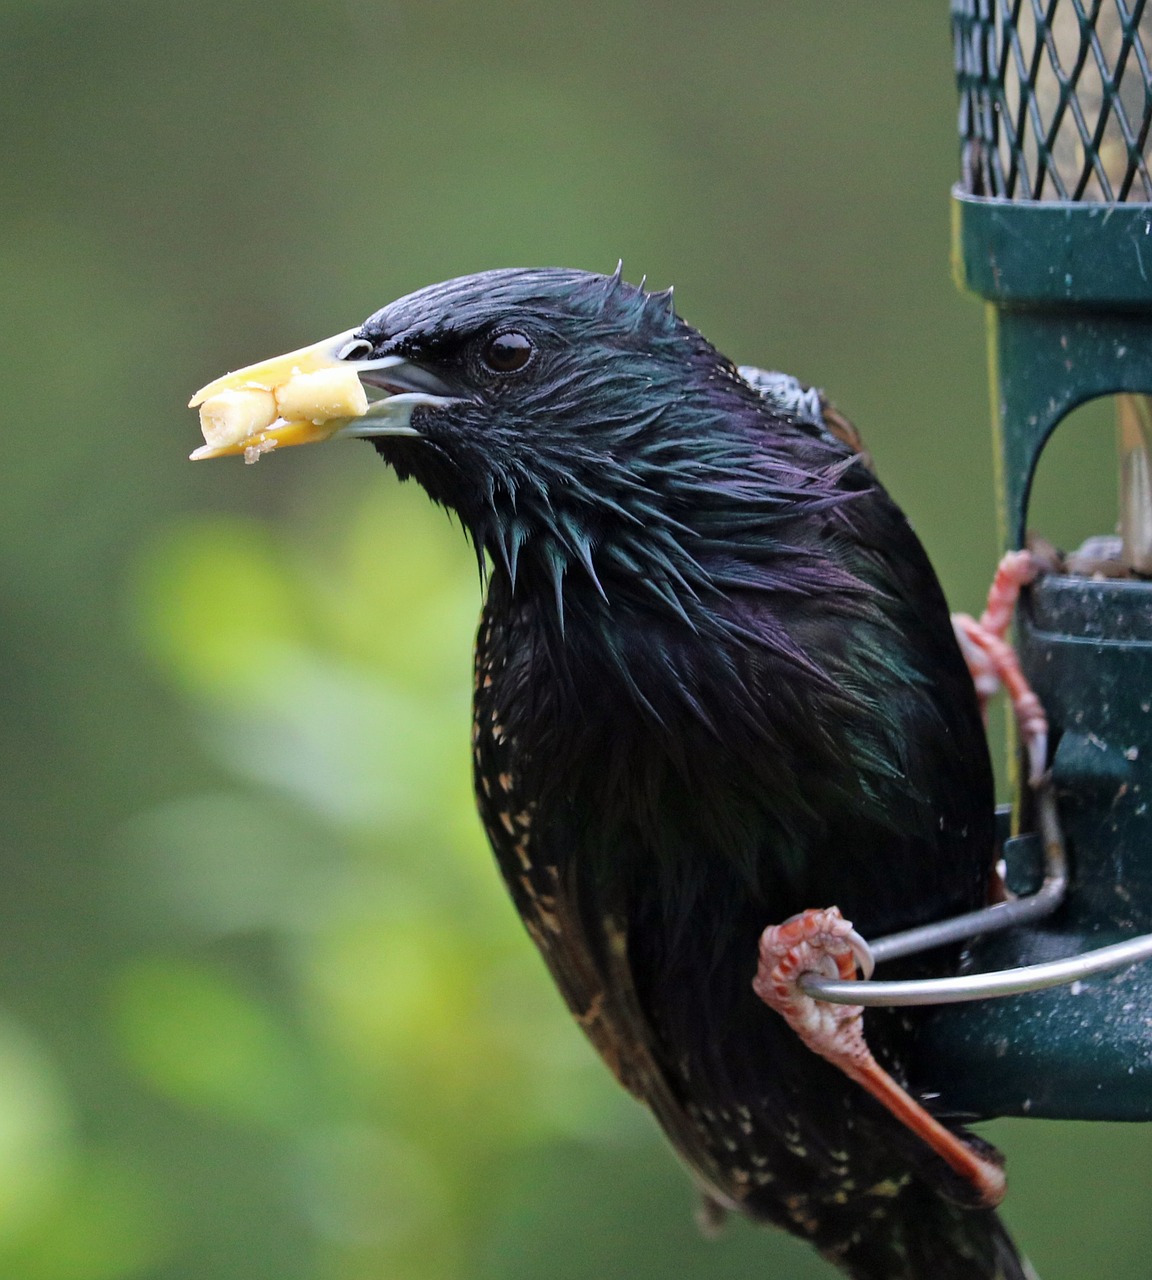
[[1052, 227]]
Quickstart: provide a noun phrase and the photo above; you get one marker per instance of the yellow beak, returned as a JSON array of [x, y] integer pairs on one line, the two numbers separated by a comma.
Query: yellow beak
[[314, 394], [297, 398]]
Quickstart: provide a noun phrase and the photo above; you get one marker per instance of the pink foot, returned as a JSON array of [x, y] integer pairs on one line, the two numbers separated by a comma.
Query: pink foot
[[824, 942], [993, 663]]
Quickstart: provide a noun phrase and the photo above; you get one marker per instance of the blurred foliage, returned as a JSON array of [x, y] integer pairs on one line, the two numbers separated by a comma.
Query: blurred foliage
[[265, 1013]]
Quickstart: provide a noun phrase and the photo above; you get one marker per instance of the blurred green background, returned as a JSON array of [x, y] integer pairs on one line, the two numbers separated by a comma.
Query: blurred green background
[[264, 1012]]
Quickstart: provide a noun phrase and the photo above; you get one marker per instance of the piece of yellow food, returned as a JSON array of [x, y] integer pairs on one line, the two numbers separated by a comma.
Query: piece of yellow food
[[232, 416], [296, 398], [320, 396]]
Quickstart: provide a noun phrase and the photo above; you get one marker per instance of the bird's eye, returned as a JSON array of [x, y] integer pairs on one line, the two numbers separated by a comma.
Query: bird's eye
[[508, 352]]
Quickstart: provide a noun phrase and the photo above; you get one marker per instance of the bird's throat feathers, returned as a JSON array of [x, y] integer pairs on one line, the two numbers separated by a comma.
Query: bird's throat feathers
[[667, 509], [624, 471]]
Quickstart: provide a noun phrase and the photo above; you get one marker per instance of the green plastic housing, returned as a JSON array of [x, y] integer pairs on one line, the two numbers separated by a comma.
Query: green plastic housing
[[1069, 293]]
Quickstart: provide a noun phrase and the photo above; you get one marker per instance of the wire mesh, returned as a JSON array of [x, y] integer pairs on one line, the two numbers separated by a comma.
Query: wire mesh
[[1055, 98]]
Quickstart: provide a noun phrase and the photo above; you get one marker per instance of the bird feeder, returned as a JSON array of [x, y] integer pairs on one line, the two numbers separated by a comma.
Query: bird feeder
[[1052, 227]]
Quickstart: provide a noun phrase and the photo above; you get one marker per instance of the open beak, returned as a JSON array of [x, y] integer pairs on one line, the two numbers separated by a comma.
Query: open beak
[[309, 395]]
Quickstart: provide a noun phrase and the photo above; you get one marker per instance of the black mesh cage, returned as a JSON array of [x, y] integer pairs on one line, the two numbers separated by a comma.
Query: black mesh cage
[[1055, 98]]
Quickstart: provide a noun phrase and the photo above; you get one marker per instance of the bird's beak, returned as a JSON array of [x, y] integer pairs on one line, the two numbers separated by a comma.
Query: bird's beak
[[309, 395]]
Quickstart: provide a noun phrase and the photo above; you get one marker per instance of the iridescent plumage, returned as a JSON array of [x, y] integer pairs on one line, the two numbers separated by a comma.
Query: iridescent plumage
[[716, 684]]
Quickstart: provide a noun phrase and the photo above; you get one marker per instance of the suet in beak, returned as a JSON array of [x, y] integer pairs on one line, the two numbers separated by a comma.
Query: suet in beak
[[308, 395]]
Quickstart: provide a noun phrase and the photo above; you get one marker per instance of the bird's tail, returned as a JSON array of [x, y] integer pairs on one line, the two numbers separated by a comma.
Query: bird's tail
[[920, 1236]]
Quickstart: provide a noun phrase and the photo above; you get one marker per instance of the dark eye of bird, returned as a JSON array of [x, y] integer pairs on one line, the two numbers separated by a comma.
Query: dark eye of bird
[[508, 352]]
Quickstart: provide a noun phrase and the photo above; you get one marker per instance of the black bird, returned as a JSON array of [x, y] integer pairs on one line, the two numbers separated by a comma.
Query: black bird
[[716, 685]]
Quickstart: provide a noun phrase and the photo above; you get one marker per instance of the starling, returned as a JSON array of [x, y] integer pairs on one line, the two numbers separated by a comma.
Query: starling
[[716, 685]]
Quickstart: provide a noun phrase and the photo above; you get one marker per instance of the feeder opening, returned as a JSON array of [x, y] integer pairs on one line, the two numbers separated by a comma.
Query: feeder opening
[[1090, 505]]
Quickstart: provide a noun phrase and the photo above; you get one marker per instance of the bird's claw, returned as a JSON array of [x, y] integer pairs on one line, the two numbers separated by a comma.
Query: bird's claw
[[992, 661], [823, 942]]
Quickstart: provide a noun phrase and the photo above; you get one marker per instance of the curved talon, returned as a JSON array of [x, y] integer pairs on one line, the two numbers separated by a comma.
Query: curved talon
[[820, 928], [823, 942]]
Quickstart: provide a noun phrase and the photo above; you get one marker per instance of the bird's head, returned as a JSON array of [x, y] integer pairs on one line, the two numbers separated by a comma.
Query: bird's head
[[558, 391], [581, 430]]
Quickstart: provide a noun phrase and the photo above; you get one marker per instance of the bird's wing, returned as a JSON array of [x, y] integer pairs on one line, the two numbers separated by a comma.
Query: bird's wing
[[727, 1090], [595, 978], [597, 985]]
